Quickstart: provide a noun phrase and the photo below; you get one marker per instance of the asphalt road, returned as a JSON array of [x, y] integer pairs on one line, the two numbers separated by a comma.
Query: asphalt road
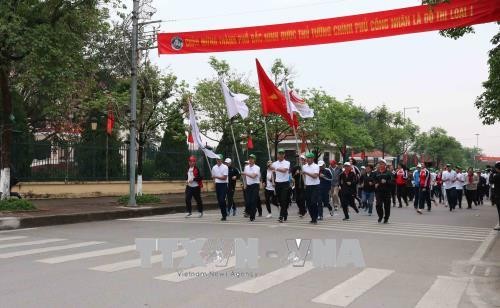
[[425, 261]]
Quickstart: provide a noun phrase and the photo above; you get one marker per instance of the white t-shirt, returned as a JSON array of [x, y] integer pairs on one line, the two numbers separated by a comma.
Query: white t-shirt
[[281, 176], [252, 170], [312, 168], [487, 177], [191, 178], [449, 179], [460, 181], [269, 180], [220, 171]]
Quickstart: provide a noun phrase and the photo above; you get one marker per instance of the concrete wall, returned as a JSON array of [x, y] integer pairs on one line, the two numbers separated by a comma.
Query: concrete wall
[[97, 189]]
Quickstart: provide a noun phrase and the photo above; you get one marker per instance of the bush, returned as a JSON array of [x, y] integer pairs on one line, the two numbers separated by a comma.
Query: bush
[[144, 199], [13, 205]]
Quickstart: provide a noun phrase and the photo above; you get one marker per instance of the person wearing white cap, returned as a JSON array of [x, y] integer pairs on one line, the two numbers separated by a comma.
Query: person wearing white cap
[[220, 173], [281, 169], [347, 183], [325, 185], [383, 186], [233, 175]]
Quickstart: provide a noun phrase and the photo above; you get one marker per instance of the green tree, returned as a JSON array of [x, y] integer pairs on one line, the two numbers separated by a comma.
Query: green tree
[[440, 147], [173, 152], [43, 52]]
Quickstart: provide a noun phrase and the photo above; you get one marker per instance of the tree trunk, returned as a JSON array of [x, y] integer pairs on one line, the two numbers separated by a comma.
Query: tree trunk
[[6, 134]]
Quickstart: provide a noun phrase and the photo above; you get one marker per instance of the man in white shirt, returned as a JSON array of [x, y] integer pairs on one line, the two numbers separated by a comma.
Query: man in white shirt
[[269, 194], [311, 173], [252, 174], [459, 185], [220, 176], [281, 168], [449, 177]]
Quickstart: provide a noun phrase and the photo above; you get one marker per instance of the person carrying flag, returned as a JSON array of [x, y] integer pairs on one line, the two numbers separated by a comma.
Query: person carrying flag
[[194, 184], [220, 174], [252, 174]]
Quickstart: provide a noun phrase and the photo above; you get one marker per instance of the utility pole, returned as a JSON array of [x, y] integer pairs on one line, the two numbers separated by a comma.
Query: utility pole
[[133, 103]]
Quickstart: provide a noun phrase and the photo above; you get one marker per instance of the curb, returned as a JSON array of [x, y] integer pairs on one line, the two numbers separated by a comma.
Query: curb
[[9, 223]]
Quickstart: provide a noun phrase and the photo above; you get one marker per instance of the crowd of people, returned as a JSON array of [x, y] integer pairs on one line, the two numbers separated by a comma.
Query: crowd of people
[[315, 186]]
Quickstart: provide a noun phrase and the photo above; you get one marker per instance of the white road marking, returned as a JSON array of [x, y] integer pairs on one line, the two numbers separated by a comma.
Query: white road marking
[[271, 279], [16, 230], [210, 267], [46, 249], [445, 292], [50, 240], [12, 238], [128, 264], [348, 291], [89, 254]]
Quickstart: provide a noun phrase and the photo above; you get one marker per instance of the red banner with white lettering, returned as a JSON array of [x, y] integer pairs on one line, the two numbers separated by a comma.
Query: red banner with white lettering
[[456, 13]]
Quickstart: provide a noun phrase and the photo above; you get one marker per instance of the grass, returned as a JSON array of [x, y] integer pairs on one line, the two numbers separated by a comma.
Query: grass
[[143, 199], [13, 205]]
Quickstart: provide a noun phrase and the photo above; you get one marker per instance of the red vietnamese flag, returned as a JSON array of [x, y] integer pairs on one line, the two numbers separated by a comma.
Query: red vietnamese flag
[[273, 101], [249, 143], [111, 122]]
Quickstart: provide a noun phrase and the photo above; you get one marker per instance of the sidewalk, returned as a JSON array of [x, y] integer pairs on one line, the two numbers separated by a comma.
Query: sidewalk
[[64, 211]]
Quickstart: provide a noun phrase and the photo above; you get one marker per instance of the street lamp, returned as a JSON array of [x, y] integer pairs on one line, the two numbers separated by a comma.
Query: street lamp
[[477, 150], [93, 126], [410, 108], [93, 123]]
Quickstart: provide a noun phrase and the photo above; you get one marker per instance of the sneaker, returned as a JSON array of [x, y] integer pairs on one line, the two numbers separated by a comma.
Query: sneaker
[[345, 219], [320, 218], [269, 215], [223, 219], [252, 219], [497, 228], [331, 213], [246, 215], [386, 221], [313, 222], [234, 212], [280, 220], [379, 220], [188, 214], [419, 211], [260, 215], [200, 215]]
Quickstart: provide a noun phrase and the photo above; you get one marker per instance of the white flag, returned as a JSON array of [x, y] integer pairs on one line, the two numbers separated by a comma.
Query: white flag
[[299, 105], [235, 102], [196, 134]]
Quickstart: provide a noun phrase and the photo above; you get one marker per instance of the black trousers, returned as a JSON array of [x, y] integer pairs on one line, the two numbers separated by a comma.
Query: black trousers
[[346, 201], [424, 197], [282, 194], [252, 199], [270, 197], [402, 192], [451, 195], [221, 191], [460, 193], [196, 193], [471, 196], [383, 205], [312, 200], [411, 192], [393, 193], [230, 198], [439, 192], [301, 200]]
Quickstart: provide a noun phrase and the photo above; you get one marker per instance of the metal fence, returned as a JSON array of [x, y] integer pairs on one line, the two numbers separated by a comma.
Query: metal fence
[[70, 162]]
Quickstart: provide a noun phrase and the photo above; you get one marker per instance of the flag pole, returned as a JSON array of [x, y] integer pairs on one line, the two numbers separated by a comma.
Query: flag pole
[[287, 97], [237, 154], [267, 138]]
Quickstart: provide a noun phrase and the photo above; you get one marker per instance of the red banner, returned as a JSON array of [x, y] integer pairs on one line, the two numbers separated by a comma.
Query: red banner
[[456, 13]]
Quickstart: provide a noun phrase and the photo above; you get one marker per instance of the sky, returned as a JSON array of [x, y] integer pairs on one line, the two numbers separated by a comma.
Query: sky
[[439, 75]]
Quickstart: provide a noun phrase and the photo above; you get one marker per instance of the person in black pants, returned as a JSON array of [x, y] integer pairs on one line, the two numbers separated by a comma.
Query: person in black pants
[[325, 185], [281, 169], [383, 191], [252, 179], [425, 190], [311, 178], [193, 187], [300, 187], [495, 196], [219, 175], [269, 193], [348, 190], [233, 175]]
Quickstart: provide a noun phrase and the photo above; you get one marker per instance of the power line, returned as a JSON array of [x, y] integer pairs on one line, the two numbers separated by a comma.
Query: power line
[[254, 11]]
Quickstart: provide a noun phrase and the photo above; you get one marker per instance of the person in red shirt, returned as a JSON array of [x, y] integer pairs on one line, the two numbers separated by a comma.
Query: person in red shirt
[[401, 190], [438, 189], [424, 182]]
